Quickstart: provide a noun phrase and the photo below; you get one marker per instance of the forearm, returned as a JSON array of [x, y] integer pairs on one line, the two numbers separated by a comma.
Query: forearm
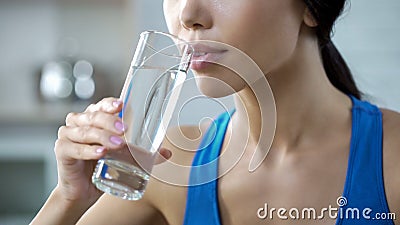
[[58, 211]]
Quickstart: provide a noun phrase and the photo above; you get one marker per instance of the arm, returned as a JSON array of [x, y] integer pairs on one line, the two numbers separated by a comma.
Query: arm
[[112, 210], [57, 210], [107, 210], [85, 138]]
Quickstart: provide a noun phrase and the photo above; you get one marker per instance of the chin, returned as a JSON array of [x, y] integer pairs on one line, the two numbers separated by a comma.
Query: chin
[[214, 91], [213, 87]]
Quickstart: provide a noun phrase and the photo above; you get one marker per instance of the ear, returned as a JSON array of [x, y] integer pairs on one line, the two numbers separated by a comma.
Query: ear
[[309, 19]]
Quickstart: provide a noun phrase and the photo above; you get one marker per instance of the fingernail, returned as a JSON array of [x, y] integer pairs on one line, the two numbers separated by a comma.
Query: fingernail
[[116, 140], [100, 150], [119, 126], [117, 103], [168, 154]]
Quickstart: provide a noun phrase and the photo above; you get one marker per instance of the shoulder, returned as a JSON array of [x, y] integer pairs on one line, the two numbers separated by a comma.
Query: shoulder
[[390, 116], [391, 130], [391, 158], [391, 138]]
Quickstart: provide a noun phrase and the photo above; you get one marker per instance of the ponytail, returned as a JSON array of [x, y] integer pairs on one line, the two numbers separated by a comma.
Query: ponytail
[[325, 12], [337, 70]]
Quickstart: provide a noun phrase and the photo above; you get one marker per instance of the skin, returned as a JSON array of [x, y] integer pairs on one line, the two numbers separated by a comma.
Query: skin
[[306, 165]]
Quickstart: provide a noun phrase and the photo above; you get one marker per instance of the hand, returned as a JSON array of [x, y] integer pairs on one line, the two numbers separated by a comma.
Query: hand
[[86, 138]]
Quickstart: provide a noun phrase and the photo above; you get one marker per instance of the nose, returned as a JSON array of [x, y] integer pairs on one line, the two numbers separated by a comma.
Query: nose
[[194, 15]]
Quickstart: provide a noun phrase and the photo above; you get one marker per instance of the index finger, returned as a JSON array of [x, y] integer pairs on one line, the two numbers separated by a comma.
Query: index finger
[[108, 105]]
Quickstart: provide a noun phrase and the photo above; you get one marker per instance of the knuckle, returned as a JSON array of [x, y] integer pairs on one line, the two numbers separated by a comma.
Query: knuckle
[[87, 116], [58, 146], [99, 119], [91, 117], [78, 151], [83, 132], [109, 99], [70, 116], [90, 107], [107, 103], [88, 134], [95, 135], [61, 131]]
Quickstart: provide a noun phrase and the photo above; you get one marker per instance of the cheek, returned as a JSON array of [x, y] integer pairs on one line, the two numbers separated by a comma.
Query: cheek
[[267, 32], [276, 48], [171, 12]]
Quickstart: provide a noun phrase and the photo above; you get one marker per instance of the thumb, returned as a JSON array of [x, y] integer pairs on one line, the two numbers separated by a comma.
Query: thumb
[[163, 155]]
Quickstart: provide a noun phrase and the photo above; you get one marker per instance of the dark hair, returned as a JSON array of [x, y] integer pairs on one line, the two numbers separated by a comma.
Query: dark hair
[[325, 13]]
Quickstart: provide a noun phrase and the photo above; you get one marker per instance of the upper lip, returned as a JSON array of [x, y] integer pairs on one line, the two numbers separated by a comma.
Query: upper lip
[[204, 49]]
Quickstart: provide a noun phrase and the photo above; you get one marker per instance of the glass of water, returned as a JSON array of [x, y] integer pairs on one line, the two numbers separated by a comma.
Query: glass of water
[[152, 86]]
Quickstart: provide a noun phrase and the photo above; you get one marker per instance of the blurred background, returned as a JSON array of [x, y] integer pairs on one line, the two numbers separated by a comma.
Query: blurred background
[[58, 56]]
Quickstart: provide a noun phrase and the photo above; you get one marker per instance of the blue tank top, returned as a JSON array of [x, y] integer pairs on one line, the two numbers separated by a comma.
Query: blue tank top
[[363, 189]]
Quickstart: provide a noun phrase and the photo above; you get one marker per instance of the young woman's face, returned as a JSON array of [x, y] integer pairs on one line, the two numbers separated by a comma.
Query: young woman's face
[[266, 30]]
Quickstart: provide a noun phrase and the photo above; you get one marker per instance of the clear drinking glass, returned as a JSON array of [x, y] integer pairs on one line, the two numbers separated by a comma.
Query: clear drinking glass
[[152, 86]]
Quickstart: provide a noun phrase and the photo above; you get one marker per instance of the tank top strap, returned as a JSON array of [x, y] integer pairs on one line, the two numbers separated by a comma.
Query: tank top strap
[[364, 185], [201, 204]]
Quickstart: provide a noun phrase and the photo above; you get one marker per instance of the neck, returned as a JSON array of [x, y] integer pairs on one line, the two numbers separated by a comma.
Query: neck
[[307, 104]]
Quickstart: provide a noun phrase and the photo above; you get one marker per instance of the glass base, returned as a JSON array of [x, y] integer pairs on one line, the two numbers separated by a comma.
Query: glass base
[[120, 179]]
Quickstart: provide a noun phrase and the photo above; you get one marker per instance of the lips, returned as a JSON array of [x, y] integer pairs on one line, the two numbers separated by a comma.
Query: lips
[[199, 54], [204, 56]]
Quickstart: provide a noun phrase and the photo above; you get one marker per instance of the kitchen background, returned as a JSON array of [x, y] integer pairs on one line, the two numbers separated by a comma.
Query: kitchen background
[[45, 41]]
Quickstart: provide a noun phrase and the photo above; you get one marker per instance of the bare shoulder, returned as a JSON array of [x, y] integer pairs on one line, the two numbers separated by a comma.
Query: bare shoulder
[[391, 132], [391, 120], [391, 158]]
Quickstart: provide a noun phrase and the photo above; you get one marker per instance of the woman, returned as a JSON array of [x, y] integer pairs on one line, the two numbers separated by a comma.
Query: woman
[[327, 143]]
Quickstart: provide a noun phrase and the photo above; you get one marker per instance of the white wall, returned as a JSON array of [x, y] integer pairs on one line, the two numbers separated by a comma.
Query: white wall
[[35, 32], [368, 36], [22, 29]]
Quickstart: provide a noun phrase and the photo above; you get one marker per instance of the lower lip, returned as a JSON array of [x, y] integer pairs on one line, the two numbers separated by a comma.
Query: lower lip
[[199, 64], [204, 61]]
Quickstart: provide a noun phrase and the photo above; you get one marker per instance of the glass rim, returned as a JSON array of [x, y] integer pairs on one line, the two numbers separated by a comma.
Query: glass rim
[[147, 32], [162, 33]]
